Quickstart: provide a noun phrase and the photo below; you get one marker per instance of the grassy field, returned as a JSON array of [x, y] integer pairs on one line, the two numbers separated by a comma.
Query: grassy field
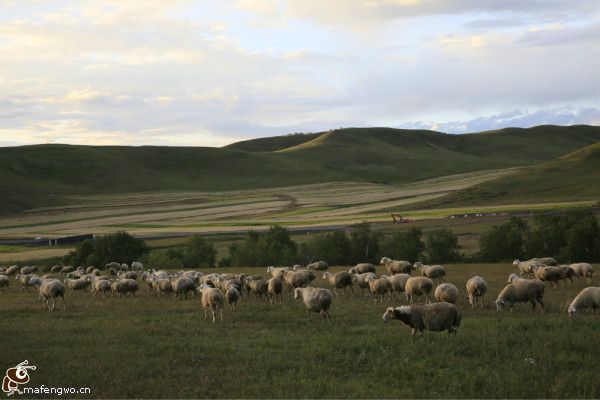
[[152, 346], [50, 175]]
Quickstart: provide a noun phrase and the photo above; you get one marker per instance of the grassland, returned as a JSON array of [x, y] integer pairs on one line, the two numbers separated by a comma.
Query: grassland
[[156, 347], [52, 175]]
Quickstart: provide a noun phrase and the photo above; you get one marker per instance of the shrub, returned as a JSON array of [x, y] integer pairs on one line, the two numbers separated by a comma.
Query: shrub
[[274, 247], [364, 243], [332, 247], [441, 246], [503, 242], [120, 247], [403, 245]]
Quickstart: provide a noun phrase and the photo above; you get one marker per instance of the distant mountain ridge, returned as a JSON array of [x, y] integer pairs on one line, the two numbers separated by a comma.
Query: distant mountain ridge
[[45, 175]]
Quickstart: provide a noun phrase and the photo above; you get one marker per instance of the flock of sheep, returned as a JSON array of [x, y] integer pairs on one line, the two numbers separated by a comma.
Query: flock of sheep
[[216, 290]]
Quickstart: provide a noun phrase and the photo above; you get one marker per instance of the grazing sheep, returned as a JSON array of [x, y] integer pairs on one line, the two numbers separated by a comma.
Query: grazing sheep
[[526, 290], [587, 298], [418, 286], [446, 292], [124, 286], [379, 287], [114, 265], [50, 290], [56, 269], [398, 283], [584, 270], [11, 270], [67, 269], [432, 271], [318, 266], [27, 281], [546, 261], [137, 266], [396, 267], [257, 287], [232, 295], [512, 278], [362, 280], [315, 300], [476, 289], [362, 268], [278, 272], [101, 286], [298, 279], [181, 286], [339, 280], [212, 299], [4, 281], [77, 284], [435, 317], [553, 274], [275, 289], [527, 267], [127, 275], [162, 286], [28, 270]]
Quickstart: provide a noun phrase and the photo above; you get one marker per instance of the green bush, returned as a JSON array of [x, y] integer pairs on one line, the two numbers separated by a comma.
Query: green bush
[[504, 242], [364, 243], [332, 247], [403, 245], [441, 246], [120, 247], [274, 247]]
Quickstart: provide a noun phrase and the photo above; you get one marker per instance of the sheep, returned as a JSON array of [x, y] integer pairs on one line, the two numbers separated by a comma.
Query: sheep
[[435, 317], [526, 290], [527, 267], [127, 275], [398, 282], [162, 286], [51, 290], [446, 292], [137, 266], [298, 279], [28, 270], [379, 287], [275, 289], [362, 268], [361, 280], [396, 267], [232, 295], [182, 286], [67, 269], [278, 272], [56, 269], [512, 278], [318, 266], [432, 271], [77, 284], [27, 281], [476, 289], [339, 280], [113, 265], [257, 287], [583, 270], [124, 286], [11, 270], [212, 299], [587, 298], [316, 300], [4, 281], [418, 286], [553, 274], [546, 261], [101, 286]]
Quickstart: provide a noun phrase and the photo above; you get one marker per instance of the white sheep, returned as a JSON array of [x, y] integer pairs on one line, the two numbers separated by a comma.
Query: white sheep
[[587, 298], [446, 292], [398, 283], [316, 300], [526, 290], [275, 289], [418, 286], [181, 286], [318, 266], [51, 290], [432, 317], [4, 281], [362, 268], [512, 278], [362, 280], [77, 284], [527, 267], [101, 286], [339, 280], [476, 288], [379, 287], [396, 266], [212, 299], [124, 286], [432, 271], [277, 271], [583, 270], [232, 295], [137, 266]]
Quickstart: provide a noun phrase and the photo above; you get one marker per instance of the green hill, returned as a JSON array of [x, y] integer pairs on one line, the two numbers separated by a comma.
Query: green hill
[[42, 175], [575, 176]]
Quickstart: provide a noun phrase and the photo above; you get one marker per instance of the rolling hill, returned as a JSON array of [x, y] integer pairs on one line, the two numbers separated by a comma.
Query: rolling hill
[[45, 175], [574, 176]]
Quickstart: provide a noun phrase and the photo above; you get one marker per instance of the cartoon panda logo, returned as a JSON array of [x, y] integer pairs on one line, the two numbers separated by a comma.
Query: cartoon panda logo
[[16, 376]]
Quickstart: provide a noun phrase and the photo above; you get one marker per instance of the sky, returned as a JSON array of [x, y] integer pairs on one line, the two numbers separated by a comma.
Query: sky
[[209, 73]]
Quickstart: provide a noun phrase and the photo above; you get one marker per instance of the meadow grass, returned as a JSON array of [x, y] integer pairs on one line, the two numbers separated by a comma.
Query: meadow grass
[[154, 346]]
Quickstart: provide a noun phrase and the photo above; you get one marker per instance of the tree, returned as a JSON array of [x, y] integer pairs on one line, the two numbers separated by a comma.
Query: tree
[[403, 245], [504, 242], [120, 247], [274, 247], [364, 243], [198, 253], [441, 246], [332, 247]]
